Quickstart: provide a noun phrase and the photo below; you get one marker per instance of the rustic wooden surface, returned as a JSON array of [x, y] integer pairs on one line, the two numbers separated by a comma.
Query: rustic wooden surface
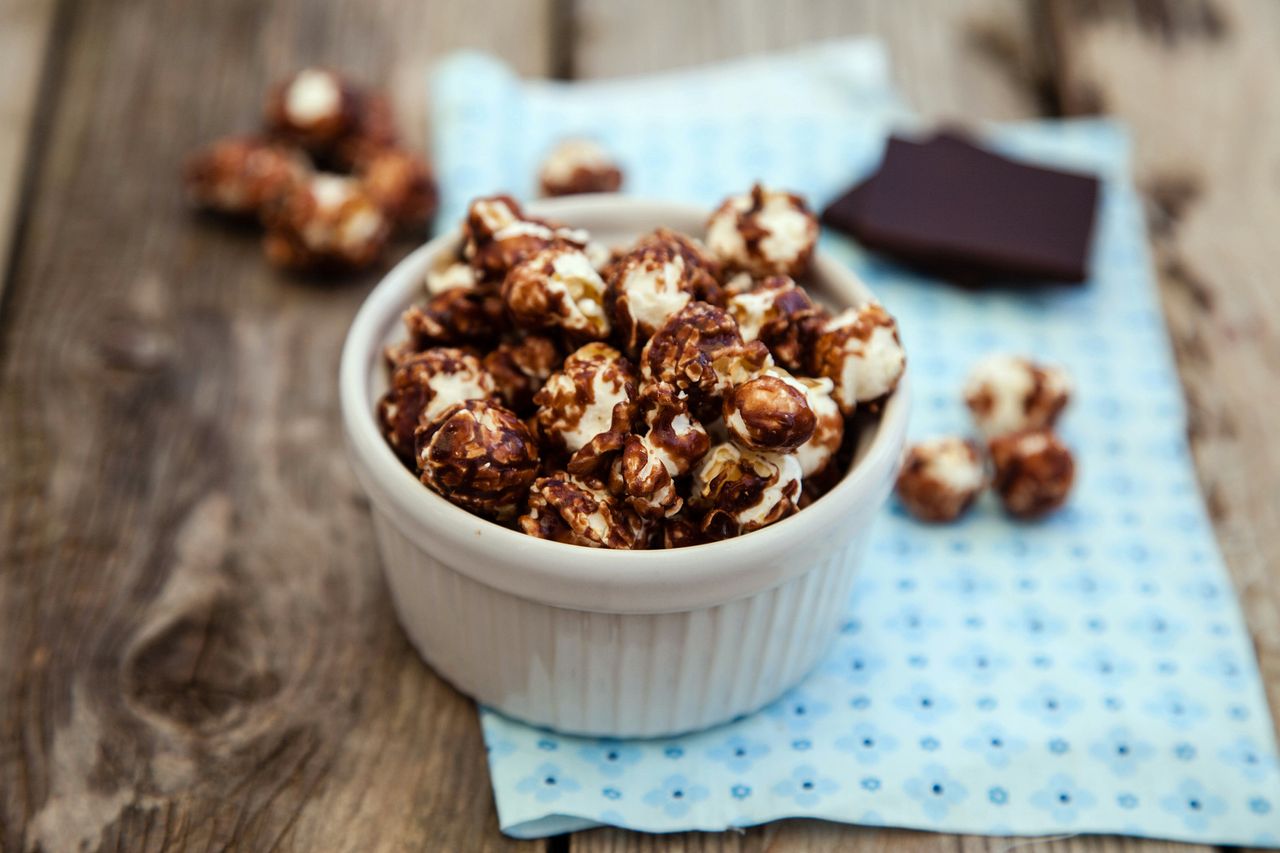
[[196, 650]]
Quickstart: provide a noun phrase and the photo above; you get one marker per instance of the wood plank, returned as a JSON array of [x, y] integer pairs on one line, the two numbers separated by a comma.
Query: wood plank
[[25, 26], [198, 648], [1194, 81]]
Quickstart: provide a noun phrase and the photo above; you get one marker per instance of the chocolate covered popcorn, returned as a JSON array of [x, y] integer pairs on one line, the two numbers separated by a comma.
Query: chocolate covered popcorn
[[579, 166], [327, 222], [1034, 472], [741, 490], [479, 456], [1008, 393], [704, 393], [557, 287], [425, 384], [766, 232], [325, 177], [654, 281], [595, 388], [941, 478], [859, 351], [244, 175]]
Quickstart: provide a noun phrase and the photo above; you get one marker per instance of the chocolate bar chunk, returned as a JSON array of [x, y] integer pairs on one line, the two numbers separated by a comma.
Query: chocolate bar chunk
[[959, 211]]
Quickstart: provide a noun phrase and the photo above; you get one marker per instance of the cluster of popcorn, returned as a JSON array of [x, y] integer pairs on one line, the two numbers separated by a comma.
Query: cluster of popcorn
[[325, 176], [662, 394], [1015, 403]]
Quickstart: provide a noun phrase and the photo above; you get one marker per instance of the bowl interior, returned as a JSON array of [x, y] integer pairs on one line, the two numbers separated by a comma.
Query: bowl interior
[[511, 560]]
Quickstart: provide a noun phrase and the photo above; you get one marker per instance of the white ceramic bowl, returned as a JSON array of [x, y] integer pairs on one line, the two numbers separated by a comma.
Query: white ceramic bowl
[[621, 643]]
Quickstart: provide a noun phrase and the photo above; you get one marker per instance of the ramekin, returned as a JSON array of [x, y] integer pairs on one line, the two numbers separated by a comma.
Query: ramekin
[[616, 643]]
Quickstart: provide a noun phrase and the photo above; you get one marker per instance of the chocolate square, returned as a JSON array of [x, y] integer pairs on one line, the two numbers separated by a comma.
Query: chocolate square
[[963, 212]]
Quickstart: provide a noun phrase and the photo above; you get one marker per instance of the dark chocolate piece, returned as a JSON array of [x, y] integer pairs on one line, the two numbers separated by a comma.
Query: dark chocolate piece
[[962, 212]]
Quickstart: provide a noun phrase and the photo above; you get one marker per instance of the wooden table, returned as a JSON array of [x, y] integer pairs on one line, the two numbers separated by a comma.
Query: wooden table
[[196, 649]]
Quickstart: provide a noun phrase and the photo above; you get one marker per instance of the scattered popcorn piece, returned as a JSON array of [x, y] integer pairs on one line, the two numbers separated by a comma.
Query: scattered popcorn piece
[[569, 509], [769, 412], [579, 166], [595, 388], [557, 287], [497, 235], [480, 456], [743, 490], [1007, 393], [243, 175], [1034, 472], [941, 478], [859, 350], [326, 222], [315, 107], [766, 232], [423, 386], [401, 184]]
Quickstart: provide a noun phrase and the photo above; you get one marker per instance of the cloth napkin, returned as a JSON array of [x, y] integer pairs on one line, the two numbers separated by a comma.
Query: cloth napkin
[[1087, 673]]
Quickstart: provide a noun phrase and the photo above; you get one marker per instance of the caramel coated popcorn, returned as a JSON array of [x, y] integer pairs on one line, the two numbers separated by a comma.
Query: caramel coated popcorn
[[941, 478], [704, 393], [1008, 393], [480, 456], [765, 232], [1034, 472], [579, 166]]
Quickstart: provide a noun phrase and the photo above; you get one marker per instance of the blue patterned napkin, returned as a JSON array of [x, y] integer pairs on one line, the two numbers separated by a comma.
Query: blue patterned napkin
[[1089, 673]]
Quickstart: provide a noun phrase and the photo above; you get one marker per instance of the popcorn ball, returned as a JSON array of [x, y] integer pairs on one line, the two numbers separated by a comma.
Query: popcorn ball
[[326, 222], [423, 386], [766, 232], [941, 478], [769, 412], [401, 184], [670, 447], [699, 351], [520, 368], [480, 456], [859, 351], [779, 313], [243, 175], [579, 166], [741, 490], [1007, 393], [497, 235], [557, 287], [1033, 472], [569, 509], [661, 275], [595, 386]]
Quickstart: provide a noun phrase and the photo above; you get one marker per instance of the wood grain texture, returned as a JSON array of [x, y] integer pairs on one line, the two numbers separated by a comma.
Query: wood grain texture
[[198, 651], [25, 28], [1195, 81]]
